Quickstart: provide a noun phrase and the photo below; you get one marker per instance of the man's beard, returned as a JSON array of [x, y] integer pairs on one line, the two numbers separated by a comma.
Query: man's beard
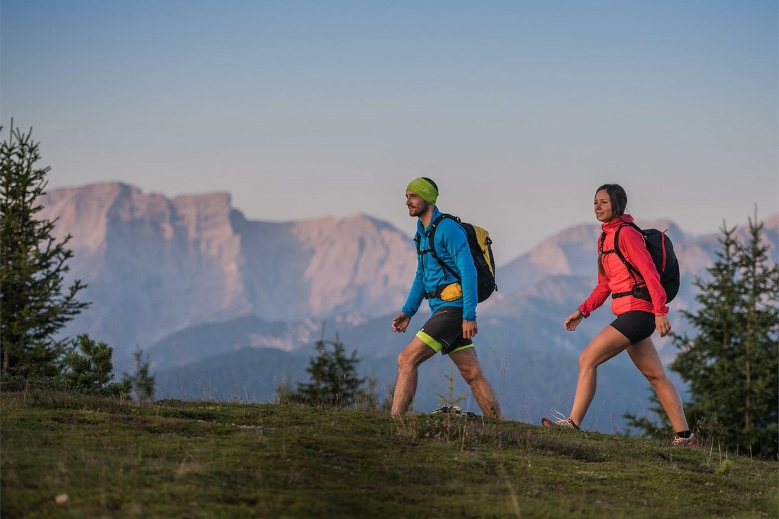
[[421, 209]]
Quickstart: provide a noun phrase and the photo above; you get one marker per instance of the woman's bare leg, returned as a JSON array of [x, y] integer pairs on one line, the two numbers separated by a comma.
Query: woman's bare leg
[[604, 346], [647, 360]]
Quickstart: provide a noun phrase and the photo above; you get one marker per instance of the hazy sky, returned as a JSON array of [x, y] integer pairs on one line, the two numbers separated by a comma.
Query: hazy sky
[[518, 110]]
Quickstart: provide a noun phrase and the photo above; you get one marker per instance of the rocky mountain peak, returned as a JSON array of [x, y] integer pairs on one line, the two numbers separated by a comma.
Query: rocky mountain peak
[[156, 265]]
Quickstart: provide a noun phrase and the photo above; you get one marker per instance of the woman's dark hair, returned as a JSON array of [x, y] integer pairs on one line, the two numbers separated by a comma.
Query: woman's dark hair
[[619, 202], [617, 196]]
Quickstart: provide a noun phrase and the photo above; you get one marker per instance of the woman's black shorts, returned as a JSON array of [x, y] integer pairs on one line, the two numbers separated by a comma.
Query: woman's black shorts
[[635, 325]]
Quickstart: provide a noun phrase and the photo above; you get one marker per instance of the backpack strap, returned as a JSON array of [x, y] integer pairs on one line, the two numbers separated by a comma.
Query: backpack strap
[[633, 271], [417, 239], [600, 244], [431, 250]]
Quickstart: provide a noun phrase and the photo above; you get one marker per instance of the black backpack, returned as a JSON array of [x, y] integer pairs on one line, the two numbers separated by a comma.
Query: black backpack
[[480, 243], [662, 251]]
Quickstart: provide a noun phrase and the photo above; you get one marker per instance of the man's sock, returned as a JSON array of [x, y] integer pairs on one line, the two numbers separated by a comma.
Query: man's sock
[[684, 434]]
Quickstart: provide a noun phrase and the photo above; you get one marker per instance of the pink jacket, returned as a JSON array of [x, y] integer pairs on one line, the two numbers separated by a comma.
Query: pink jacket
[[618, 278]]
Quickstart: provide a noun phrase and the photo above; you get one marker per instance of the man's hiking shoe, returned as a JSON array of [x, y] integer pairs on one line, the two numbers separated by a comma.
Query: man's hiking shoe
[[692, 441], [455, 410], [563, 424]]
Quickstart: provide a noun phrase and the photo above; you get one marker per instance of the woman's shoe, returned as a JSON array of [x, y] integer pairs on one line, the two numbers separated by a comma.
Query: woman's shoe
[[563, 424], [692, 441]]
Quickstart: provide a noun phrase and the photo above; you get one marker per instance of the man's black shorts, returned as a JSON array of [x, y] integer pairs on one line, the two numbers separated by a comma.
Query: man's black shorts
[[444, 331]]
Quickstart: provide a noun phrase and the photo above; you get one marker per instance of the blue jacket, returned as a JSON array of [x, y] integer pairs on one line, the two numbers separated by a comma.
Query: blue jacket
[[451, 245]]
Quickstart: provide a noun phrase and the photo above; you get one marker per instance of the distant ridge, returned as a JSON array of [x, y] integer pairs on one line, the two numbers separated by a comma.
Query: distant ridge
[[156, 265]]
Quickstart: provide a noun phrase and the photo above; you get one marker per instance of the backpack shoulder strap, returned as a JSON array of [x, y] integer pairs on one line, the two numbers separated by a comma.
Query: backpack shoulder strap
[[431, 234], [631, 269], [433, 228]]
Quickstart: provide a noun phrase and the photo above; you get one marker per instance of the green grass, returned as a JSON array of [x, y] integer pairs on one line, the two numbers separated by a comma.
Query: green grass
[[214, 459]]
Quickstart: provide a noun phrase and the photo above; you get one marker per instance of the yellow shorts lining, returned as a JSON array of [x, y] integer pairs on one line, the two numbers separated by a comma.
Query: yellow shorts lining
[[437, 346]]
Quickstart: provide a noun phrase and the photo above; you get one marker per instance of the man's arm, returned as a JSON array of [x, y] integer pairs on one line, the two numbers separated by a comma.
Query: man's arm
[[456, 242], [415, 295]]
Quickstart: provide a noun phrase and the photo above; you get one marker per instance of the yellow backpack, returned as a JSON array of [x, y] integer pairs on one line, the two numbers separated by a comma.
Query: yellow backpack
[[480, 244]]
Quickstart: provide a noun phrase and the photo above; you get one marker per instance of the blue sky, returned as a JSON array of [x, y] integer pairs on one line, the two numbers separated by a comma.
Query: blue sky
[[518, 110]]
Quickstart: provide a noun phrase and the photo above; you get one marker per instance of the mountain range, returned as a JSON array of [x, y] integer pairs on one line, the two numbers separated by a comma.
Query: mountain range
[[155, 266], [230, 307]]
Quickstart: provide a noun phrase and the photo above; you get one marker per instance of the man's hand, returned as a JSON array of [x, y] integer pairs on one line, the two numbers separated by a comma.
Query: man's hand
[[470, 328], [400, 323]]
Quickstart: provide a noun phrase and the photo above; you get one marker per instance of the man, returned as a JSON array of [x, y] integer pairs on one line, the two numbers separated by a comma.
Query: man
[[452, 301]]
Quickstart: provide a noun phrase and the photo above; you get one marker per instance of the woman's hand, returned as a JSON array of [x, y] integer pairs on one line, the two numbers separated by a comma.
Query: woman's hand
[[662, 324], [573, 320]]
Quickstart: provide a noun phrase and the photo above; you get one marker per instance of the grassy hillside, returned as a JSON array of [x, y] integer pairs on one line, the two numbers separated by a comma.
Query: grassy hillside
[[110, 458]]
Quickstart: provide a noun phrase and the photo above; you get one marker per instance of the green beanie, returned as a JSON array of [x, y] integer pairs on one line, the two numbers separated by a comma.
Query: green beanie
[[425, 189]]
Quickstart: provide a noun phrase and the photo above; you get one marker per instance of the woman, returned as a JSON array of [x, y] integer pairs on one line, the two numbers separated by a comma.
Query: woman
[[636, 320]]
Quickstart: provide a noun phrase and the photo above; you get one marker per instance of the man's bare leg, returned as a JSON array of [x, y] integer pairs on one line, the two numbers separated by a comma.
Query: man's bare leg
[[470, 369], [414, 354]]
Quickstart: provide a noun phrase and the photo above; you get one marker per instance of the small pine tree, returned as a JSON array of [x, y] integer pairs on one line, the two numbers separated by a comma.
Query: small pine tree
[[334, 379], [286, 393], [450, 399], [369, 397], [91, 370], [142, 382], [731, 364], [32, 267]]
